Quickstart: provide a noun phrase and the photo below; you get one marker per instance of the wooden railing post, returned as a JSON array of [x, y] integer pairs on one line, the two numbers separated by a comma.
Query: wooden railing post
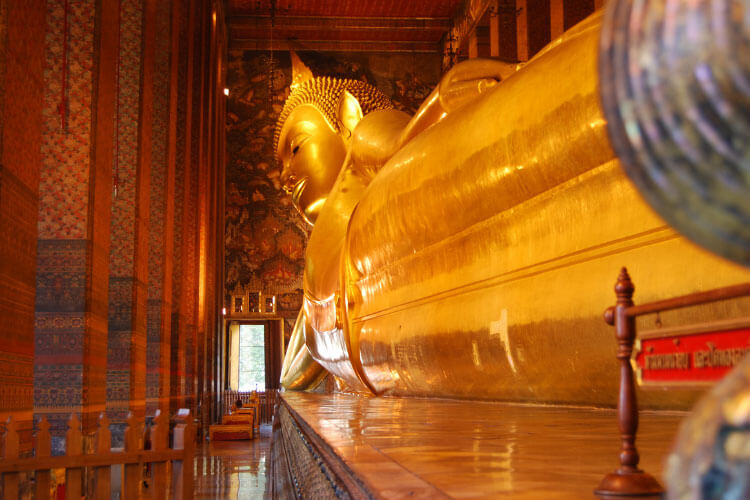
[[159, 438], [73, 448], [182, 471], [43, 448], [98, 465], [133, 473], [103, 475], [627, 479], [10, 479]]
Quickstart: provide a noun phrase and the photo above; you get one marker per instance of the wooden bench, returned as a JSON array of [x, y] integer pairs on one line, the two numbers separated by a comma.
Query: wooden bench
[[250, 412], [263, 401], [239, 418], [230, 432], [240, 425]]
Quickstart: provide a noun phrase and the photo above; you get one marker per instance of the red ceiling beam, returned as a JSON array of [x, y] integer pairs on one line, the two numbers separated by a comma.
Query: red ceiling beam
[[310, 23], [337, 46]]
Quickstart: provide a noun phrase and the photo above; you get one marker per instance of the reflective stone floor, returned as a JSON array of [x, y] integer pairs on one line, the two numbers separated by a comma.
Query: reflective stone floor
[[234, 470], [429, 448]]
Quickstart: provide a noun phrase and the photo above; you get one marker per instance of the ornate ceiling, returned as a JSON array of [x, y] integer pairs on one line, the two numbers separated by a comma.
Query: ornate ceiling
[[511, 30], [342, 25]]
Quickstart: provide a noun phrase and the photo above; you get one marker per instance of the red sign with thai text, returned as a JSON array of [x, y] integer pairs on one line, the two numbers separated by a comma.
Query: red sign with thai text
[[691, 356]]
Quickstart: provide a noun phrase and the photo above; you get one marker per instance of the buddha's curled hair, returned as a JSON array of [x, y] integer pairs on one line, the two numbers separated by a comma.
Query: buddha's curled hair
[[324, 93]]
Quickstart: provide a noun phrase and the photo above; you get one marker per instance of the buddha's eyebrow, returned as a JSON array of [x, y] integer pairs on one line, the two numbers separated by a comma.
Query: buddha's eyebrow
[[302, 126]]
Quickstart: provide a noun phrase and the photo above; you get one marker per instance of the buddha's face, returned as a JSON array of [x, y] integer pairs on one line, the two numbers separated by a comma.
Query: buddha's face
[[311, 152]]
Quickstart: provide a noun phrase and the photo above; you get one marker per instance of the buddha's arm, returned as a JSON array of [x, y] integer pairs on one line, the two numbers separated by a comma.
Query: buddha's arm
[[382, 133], [463, 83], [468, 80]]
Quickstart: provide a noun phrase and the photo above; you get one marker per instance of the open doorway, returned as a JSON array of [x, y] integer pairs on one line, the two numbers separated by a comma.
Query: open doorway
[[251, 369], [254, 354]]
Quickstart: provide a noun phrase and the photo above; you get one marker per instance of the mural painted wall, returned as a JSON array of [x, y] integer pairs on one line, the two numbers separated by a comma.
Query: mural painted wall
[[265, 237]]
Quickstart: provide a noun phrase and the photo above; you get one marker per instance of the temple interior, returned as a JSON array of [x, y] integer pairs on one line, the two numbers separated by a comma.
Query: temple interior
[[373, 249]]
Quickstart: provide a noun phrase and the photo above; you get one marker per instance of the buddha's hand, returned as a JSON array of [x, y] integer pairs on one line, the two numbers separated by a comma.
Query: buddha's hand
[[469, 79]]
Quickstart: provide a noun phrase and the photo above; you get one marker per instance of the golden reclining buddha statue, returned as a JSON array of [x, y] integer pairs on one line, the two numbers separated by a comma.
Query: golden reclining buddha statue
[[469, 250]]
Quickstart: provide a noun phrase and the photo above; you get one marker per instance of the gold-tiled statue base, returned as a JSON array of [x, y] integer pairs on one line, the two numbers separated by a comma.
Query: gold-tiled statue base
[[434, 448]]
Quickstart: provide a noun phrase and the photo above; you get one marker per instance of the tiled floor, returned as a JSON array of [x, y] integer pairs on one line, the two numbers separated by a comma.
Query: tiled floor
[[431, 448], [234, 470]]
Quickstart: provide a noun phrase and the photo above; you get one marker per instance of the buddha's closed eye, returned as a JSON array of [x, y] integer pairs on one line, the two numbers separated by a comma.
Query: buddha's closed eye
[[298, 142]]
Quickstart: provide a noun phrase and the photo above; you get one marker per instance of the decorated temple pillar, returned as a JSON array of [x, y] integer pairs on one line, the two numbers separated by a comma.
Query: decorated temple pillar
[[167, 368], [74, 211], [182, 189], [214, 208], [126, 363], [203, 205], [191, 235], [208, 121], [22, 57], [219, 207], [161, 218], [110, 167]]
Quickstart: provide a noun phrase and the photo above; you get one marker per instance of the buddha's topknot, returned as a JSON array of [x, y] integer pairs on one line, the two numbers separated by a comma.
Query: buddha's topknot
[[324, 93]]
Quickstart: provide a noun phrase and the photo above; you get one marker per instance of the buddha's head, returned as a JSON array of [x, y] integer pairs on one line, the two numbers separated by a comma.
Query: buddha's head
[[313, 132]]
